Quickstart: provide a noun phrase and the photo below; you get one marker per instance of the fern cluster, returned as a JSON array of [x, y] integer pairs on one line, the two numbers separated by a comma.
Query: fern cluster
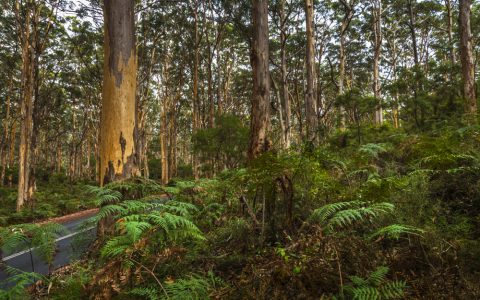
[[375, 287], [42, 238], [193, 287], [343, 214], [138, 220], [339, 215], [18, 280]]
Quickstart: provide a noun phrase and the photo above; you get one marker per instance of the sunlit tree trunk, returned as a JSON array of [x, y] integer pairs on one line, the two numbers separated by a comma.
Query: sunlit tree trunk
[[260, 114], [26, 106], [118, 118], [377, 50], [466, 56], [310, 95]]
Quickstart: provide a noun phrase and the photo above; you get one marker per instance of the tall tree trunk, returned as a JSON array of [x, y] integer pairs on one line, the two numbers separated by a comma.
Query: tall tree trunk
[[6, 134], [164, 133], [196, 108], [164, 141], [311, 94], [260, 122], [287, 131], [377, 50], [413, 34], [448, 6], [172, 161], [342, 57], [396, 98], [11, 152], [117, 149], [211, 104], [466, 56], [26, 107]]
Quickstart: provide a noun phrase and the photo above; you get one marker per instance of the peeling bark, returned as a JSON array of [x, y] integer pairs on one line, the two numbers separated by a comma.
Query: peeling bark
[[117, 131]]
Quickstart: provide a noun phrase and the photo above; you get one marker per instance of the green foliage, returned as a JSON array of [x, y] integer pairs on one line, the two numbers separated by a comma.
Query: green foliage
[[395, 231], [191, 288], [19, 280], [343, 214], [154, 222], [373, 150], [225, 144], [375, 286], [42, 238]]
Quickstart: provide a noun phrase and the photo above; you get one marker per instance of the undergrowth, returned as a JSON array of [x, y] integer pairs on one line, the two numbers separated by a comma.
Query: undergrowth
[[396, 217]]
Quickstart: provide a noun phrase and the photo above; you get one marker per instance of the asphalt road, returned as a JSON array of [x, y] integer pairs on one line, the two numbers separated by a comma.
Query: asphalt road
[[69, 246]]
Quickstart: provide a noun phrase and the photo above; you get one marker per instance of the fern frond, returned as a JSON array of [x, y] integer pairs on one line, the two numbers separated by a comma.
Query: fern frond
[[18, 280], [393, 290], [104, 195], [192, 288], [395, 231], [116, 246], [373, 150], [365, 293], [133, 229], [322, 214], [145, 292], [44, 240], [110, 210], [358, 281], [377, 277]]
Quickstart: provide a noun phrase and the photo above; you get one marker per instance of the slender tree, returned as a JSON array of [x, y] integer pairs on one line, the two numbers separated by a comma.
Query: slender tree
[[348, 11], [28, 45], [284, 84], [260, 113], [377, 50], [310, 95], [466, 57]]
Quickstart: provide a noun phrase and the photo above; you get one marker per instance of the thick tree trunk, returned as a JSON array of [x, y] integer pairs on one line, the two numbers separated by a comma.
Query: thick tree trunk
[[117, 149], [310, 95], [377, 50], [260, 122], [466, 56], [287, 130]]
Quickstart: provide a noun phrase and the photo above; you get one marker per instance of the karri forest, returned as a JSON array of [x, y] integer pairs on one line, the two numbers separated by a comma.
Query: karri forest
[[239, 149]]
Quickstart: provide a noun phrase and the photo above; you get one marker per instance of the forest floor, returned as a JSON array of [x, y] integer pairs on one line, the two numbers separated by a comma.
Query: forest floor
[[55, 197]]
